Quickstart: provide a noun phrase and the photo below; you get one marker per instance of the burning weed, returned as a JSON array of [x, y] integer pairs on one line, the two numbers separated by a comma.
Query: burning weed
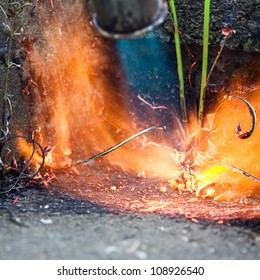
[[113, 148], [16, 176], [80, 110], [239, 133]]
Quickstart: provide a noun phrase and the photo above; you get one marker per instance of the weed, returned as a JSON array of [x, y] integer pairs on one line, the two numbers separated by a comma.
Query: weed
[[179, 61], [13, 22], [204, 72]]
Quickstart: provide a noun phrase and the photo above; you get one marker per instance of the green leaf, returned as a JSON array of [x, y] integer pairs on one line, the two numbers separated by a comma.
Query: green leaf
[[22, 6], [204, 61], [179, 61]]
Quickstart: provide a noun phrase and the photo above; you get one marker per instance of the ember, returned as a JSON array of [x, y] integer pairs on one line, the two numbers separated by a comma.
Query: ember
[[82, 109]]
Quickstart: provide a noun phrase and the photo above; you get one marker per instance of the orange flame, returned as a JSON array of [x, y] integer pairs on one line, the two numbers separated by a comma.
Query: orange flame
[[244, 154], [79, 96], [81, 109]]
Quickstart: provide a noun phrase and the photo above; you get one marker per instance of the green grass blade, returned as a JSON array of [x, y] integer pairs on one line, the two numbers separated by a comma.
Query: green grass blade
[[179, 61], [204, 61]]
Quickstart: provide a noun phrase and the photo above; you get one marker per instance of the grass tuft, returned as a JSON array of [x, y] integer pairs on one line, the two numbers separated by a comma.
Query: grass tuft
[[179, 61], [204, 71]]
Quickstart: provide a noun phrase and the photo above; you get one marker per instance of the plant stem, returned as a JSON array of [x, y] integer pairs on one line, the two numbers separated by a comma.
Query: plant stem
[[203, 87], [4, 128], [113, 148], [179, 61], [217, 58]]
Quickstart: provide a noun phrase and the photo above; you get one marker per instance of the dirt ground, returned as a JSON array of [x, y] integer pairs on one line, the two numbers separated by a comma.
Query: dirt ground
[[44, 225]]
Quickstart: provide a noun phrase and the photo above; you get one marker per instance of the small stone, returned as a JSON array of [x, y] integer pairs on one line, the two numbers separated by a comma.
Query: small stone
[[8, 248], [185, 238], [110, 249], [163, 189], [46, 221], [212, 250], [141, 255], [113, 188], [244, 250], [46, 206], [162, 228]]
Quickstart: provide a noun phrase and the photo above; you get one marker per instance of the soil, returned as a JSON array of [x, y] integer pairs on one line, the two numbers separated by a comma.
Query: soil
[[47, 225], [53, 223]]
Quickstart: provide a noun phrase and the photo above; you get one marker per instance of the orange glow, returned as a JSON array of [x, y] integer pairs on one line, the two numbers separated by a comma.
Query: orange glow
[[241, 153], [80, 106], [79, 101]]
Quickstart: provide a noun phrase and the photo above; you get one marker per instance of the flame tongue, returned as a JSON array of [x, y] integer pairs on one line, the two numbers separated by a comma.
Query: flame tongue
[[235, 151], [81, 104], [80, 101]]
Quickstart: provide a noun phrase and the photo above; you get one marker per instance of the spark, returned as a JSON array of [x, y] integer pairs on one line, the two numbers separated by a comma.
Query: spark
[[150, 105], [51, 1]]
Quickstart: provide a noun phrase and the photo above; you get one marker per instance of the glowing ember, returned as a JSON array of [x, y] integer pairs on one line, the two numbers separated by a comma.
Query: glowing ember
[[81, 109], [121, 192]]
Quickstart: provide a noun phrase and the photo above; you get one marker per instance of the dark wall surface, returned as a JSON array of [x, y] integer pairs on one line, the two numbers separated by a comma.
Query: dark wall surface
[[242, 16]]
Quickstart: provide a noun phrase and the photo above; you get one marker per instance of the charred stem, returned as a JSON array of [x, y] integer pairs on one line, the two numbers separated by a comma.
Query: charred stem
[[239, 133], [113, 148], [22, 174], [240, 171]]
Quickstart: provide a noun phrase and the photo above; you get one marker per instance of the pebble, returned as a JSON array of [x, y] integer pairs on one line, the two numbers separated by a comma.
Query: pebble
[[110, 249], [113, 188], [8, 248], [141, 255], [212, 250], [244, 250], [46, 221], [162, 228], [185, 238]]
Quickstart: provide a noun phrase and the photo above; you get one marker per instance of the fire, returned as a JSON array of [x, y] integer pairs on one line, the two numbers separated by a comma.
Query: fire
[[81, 105], [244, 154]]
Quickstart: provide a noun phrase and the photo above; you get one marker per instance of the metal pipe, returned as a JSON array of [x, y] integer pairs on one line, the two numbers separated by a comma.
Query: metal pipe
[[128, 18]]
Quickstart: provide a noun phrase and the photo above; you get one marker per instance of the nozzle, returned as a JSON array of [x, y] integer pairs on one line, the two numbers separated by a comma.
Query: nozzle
[[128, 19]]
